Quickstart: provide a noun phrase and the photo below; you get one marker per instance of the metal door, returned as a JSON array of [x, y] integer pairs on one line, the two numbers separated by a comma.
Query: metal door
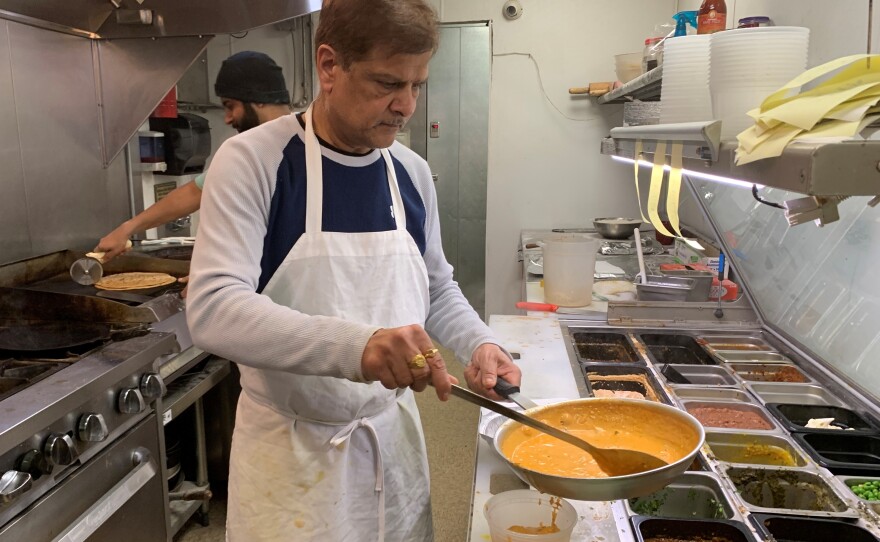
[[451, 131]]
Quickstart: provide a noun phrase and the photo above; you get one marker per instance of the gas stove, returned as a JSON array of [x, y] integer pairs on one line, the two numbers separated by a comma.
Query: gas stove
[[62, 421]]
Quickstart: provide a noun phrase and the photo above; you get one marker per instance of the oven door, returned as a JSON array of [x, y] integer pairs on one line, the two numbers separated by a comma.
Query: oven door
[[117, 495]]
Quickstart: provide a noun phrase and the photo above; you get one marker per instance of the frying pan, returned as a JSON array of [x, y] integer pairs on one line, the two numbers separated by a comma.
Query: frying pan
[[611, 413], [32, 337]]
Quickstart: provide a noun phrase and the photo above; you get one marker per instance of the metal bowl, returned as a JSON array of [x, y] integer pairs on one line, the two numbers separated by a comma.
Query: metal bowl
[[677, 425], [616, 228]]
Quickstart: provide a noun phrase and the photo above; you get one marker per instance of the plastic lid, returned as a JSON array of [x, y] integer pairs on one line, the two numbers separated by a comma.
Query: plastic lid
[[652, 41], [760, 19]]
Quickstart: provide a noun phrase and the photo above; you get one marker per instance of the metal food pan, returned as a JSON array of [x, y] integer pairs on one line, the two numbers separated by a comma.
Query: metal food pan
[[751, 357], [691, 406], [769, 372], [795, 416], [735, 343], [603, 347], [850, 481], [701, 375], [775, 527], [843, 452], [651, 528], [675, 349], [690, 496], [618, 377], [714, 394], [755, 449], [804, 394], [777, 490]]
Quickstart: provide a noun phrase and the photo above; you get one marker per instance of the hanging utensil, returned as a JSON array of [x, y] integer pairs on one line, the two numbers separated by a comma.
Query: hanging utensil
[[615, 462], [643, 276], [87, 271]]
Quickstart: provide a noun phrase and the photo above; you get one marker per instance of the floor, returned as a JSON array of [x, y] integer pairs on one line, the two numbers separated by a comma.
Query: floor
[[451, 433]]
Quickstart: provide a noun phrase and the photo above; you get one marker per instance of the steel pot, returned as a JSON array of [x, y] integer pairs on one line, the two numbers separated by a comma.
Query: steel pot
[[615, 227], [677, 427]]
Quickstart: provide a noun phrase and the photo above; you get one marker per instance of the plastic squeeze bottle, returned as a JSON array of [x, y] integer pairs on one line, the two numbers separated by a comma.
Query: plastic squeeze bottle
[[712, 17]]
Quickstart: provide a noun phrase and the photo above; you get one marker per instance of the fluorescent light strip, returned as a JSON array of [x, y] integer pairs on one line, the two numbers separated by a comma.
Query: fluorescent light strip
[[690, 173]]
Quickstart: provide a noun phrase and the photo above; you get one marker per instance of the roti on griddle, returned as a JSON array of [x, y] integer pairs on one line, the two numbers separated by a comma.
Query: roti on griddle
[[134, 281]]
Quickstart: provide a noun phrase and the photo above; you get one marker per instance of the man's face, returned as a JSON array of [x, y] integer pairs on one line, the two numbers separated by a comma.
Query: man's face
[[240, 115], [372, 100]]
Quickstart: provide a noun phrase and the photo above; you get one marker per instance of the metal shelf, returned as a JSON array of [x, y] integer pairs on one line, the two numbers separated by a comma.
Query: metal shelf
[[811, 167], [645, 87], [181, 511], [184, 391]]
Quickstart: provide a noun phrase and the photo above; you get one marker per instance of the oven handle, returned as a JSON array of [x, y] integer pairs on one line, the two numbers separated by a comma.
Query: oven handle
[[110, 503]]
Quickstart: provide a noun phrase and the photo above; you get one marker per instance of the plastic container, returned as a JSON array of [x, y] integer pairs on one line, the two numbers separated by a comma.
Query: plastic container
[[843, 452], [648, 528], [796, 416], [628, 66], [569, 263], [809, 529], [152, 146], [530, 509], [652, 55], [167, 108], [754, 22]]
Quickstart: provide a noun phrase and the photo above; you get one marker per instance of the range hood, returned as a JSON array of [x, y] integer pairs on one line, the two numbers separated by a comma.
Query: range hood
[[115, 19], [140, 48], [826, 172]]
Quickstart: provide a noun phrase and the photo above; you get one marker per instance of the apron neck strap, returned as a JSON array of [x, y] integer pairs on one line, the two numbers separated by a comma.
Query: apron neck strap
[[315, 181]]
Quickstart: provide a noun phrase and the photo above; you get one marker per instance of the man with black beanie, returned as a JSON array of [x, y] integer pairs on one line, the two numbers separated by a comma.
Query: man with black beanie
[[252, 90]]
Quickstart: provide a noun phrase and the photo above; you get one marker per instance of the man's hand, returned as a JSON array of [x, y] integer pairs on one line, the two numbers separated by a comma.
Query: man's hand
[[389, 358], [113, 244], [487, 363]]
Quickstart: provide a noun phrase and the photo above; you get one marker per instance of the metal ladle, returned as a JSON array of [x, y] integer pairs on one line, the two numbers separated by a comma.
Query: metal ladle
[[615, 462]]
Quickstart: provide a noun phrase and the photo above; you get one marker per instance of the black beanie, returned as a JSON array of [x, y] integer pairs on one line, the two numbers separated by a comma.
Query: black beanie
[[252, 77]]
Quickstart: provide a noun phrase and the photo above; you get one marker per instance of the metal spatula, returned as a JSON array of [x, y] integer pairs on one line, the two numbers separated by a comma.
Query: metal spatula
[[615, 462]]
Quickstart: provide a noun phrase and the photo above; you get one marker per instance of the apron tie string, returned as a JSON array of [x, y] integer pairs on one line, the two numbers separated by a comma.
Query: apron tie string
[[344, 435]]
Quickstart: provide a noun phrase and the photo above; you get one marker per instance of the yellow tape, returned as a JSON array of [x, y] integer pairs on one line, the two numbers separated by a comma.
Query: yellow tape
[[657, 187], [673, 190], [637, 155]]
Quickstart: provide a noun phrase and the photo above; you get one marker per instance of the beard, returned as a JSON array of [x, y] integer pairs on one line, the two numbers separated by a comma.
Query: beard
[[249, 119]]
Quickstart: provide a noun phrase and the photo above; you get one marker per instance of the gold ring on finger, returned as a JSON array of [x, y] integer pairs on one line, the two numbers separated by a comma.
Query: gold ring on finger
[[418, 362], [431, 353]]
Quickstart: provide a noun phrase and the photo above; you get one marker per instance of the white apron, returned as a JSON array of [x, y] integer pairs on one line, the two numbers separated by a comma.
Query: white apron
[[326, 459]]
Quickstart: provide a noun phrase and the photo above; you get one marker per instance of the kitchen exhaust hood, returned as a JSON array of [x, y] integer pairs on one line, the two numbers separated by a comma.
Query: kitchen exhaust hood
[[825, 172], [115, 19], [140, 48]]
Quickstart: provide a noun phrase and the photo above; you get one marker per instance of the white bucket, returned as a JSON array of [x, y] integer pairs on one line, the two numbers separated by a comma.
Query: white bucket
[[569, 263]]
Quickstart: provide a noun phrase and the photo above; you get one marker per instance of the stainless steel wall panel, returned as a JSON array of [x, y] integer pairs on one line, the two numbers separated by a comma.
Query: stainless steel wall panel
[[444, 105], [66, 197], [15, 240], [458, 98], [476, 78]]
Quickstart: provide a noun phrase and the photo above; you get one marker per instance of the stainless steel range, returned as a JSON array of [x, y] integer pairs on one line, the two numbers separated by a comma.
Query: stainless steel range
[[81, 440]]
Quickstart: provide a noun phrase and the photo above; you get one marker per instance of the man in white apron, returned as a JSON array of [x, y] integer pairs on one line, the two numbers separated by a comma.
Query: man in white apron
[[318, 269]]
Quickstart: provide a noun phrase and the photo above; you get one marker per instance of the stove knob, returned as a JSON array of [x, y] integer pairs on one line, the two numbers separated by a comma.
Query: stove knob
[[60, 449], [92, 428], [35, 463], [152, 387], [12, 484], [131, 401]]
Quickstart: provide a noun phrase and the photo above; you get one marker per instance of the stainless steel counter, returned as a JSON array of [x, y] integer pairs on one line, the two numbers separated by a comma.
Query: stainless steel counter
[[731, 375]]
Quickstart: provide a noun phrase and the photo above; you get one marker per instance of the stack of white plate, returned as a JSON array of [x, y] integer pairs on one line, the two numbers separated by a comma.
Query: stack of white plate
[[685, 93], [749, 64]]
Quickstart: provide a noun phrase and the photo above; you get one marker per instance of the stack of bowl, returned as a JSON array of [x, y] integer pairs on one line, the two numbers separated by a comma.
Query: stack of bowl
[[685, 93], [747, 65]]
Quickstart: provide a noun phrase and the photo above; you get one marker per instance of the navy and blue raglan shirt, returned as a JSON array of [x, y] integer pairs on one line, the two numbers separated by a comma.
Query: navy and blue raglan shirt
[[253, 212]]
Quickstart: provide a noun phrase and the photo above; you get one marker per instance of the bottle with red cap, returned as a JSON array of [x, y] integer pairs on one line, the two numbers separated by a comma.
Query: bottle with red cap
[[712, 17]]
